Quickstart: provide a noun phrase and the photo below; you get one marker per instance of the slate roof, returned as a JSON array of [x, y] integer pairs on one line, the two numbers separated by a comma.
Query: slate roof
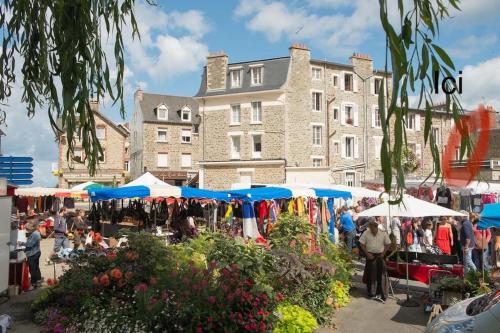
[[274, 77], [150, 102]]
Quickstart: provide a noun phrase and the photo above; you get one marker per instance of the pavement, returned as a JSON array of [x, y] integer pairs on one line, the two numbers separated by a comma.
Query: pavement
[[360, 315], [370, 316]]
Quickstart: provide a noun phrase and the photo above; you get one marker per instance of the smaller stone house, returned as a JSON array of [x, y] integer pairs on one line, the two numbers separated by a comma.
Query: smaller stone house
[[114, 164], [164, 138]]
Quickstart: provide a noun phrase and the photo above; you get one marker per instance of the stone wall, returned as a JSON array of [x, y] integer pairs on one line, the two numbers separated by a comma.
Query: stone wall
[[222, 177], [109, 171], [173, 147]]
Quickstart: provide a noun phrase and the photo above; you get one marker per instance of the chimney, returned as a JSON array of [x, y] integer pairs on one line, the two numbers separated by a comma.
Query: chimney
[[492, 114], [138, 94], [94, 106], [217, 70], [363, 63], [299, 52]]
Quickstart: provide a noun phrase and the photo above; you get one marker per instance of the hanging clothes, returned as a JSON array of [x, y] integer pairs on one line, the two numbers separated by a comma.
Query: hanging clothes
[[488, 198], [291, 206], [477, 203], [229, 214], [425, 193], [263, 213], [273, 215], [250, 229], [324, 218], [443, 197], [300, 207], [465, 202], [69, 203], [331, 225]]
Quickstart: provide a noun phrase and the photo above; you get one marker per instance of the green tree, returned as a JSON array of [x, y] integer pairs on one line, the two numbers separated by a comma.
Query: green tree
[[59, 45], [413, 55]]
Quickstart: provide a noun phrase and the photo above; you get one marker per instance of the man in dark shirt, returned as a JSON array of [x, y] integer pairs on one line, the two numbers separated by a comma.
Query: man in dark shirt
[[468, 242]]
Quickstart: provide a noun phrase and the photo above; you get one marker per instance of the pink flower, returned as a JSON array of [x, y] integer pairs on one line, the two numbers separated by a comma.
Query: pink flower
[[293, 242], [141, 287], [212, 299], [199, 329], [213, 264], [154, 301]]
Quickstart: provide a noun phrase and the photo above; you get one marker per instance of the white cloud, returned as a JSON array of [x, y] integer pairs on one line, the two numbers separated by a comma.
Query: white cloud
[[168, 42], [476, 12], [481, 84], [342, 32], [472, 45]]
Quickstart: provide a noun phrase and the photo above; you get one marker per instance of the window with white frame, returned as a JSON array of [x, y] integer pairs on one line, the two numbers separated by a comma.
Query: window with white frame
[[350, 178], [436, 135], [376, 86], [349, 147], [410, 121], [186, 160], [236, 78], [102, 158], [162, 112], [186, 114], [256, 73], [377, 119], [235, 147], [257, 146], [317, 135], [316, 73], [162, 160], [78, 154], [256, 112], [186, 136], [100, 132], [335, 114], [235, 114], [317, 162], [161, 135], [348, 82], [335, 81], [349, 114], [316, 101], [126, 166]]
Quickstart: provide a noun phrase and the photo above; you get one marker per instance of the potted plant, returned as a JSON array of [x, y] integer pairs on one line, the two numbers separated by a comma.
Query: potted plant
[[452, 288], [349, 121]]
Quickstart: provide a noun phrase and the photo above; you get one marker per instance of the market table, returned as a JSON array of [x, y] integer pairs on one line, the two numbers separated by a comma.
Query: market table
[[420, 272]]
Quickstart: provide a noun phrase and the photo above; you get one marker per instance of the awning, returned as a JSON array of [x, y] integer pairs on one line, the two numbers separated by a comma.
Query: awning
[[490, 216]]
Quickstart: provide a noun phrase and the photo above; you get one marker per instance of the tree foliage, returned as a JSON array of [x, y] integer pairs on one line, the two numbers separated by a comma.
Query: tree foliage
[[64, 66], [413, 56]]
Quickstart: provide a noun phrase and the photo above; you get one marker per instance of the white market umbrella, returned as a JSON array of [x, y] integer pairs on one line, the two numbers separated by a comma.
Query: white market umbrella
[[83, 186], [146, 179], [410, 207]]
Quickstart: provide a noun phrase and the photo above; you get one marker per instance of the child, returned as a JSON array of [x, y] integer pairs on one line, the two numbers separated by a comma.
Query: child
[[428, 237]]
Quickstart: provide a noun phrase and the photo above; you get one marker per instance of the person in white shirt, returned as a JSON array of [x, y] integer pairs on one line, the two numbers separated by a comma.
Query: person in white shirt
[[375, 244]]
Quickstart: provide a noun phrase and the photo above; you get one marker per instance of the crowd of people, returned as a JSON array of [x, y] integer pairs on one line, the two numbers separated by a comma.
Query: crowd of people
[[375, 236]]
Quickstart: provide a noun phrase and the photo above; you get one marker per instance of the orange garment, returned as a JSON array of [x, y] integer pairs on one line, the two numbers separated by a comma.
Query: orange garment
[[443, 238]]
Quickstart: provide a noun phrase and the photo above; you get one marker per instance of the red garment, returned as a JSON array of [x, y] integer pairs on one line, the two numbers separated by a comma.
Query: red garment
[[482, 242], [263, 212], [425, 193], [420, 272], [443, 238]]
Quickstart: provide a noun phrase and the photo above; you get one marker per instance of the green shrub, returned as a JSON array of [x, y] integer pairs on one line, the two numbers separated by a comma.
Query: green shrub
[[294, 319], [291, 232]]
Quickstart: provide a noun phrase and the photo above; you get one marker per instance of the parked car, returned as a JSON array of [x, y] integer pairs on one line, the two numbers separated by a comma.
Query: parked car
[[474, 315]]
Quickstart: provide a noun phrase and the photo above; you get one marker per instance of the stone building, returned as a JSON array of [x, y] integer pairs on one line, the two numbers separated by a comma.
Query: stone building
[[298, 120], [113, 166], [164, 138]]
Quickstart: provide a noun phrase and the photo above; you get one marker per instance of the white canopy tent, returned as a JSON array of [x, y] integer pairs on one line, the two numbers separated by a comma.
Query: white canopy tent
[[83, 186], [146, 179], [410, 207]]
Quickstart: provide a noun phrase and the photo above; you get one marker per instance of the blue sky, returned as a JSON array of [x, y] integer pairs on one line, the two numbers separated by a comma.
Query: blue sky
[[177, 36]]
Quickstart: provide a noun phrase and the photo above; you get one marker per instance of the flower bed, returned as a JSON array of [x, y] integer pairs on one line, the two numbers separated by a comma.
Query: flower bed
[[210, 284]]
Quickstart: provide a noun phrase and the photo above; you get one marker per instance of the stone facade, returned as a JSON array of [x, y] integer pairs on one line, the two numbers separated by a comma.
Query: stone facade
[[160, 146], [112, 170], [322, 116]]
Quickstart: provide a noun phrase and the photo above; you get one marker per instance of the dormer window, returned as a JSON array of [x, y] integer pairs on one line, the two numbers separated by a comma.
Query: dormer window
[[162, 112], [236, 74], [186, 114], [256, 73]]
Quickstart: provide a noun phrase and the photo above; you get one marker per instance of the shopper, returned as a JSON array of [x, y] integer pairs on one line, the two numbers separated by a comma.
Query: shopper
[[79, 226], [61, 231], [428, 238], [413, 236], [480, 252], [468, 242], [348, 228], [375, 243], [32, 250], [443, 236]]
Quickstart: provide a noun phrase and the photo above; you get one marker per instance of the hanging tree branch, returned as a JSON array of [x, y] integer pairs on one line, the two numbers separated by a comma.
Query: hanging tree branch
[[414, 57], [64, 65]]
